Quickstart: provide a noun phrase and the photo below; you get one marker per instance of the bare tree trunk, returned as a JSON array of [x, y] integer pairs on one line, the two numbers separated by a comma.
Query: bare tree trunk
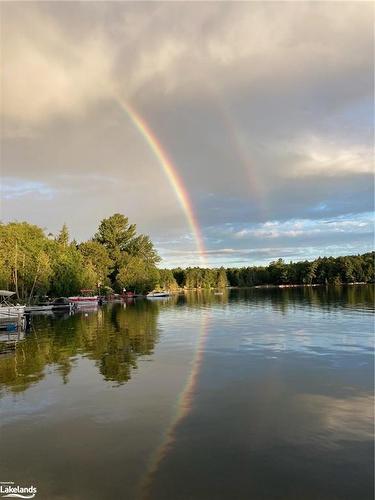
[[23, 276], [34, 283], [16, 271]]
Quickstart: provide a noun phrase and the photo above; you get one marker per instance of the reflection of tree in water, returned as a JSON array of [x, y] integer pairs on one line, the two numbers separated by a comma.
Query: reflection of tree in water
[[125, 335], [323, 297], [113, 337], [204, 297]]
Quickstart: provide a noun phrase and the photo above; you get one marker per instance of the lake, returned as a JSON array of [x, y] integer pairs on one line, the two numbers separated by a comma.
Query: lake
[[252, 394]]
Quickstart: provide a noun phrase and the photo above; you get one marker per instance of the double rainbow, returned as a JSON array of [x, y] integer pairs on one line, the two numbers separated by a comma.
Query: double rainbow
[[171, 174]]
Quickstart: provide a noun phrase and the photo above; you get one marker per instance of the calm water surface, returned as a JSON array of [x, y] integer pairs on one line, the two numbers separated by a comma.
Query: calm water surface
[[257, 394]]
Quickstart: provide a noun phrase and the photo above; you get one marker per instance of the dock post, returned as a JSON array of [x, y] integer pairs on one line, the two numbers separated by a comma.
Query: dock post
[[27, 321]]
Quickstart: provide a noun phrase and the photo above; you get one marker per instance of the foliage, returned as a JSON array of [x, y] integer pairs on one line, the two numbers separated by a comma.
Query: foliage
[[166, 280], [97, 255], [120, 240], [115, 233], [137, 275], [322, 271], [142, 246], [196, 277], [24, 261], [222, 280], [68, 269], [33, 264]]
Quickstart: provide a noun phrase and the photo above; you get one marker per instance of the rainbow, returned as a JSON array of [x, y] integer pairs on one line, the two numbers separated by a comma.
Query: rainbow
[[184, 407], [238, 145], [171, 174]]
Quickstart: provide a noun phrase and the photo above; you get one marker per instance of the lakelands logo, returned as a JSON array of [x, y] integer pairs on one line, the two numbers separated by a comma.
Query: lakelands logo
[[9, 490]]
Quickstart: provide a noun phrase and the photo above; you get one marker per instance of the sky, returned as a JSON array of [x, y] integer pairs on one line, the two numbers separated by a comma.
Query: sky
[[264, 111]]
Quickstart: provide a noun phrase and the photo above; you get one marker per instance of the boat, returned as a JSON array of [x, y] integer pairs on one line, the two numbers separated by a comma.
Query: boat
[[39, 308], [85, 300], [61, 303], [7, 309], [156, 295]]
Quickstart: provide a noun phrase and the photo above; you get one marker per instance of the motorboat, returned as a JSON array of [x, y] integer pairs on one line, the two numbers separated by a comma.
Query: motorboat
[[61, 303], [39, 308], [85, 300], [7, 309], [157, 295]]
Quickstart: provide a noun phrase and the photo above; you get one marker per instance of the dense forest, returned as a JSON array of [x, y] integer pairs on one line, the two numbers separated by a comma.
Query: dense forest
[[322, 271], [116, 257], [34, 264]]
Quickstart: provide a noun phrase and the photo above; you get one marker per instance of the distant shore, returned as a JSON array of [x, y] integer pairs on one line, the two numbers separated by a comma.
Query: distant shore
[[300, 285], [312, 285]]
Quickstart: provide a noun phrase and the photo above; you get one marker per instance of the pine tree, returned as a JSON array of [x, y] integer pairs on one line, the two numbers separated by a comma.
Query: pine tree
[[63, 236]]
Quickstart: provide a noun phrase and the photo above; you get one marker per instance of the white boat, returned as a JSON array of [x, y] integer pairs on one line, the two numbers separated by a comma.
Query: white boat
[[156, 295], [39, 308], [12, 311], [8, 310]]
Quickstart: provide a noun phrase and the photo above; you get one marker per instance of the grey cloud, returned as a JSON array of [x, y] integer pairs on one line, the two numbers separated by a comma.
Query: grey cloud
[[263, 109]]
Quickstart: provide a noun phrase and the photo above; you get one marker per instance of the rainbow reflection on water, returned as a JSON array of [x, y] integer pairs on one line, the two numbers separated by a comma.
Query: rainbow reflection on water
[[184, 407]]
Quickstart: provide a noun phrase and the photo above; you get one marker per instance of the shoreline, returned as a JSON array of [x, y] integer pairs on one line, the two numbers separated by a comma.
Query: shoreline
[[313, 285]]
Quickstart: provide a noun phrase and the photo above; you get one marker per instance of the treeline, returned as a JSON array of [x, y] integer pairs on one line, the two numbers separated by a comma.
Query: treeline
[[116, 257], [196, 277], [322, 271], [34, 264]]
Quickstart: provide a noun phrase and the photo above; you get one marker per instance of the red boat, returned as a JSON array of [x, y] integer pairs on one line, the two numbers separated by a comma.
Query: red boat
[[85, 300]]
